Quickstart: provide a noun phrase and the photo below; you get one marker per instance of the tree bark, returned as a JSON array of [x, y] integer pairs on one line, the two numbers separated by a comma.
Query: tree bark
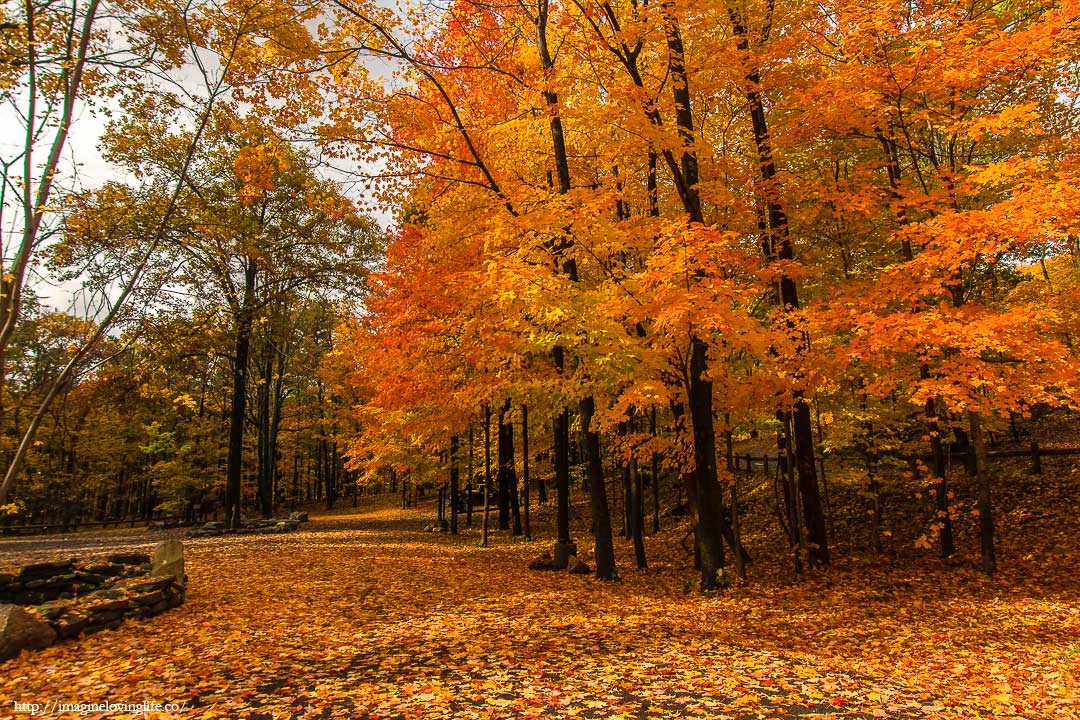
[[705, 501], [569, 268], [655, 476], [636, 519], [561, 431], [708, 513], [525, 465], [487, 475], [505, 474], [234, 463], [454, 482], [469, 481], [508, 482], [776, 245], [598, 502], [986, 510], [941, 483], [262, 425]]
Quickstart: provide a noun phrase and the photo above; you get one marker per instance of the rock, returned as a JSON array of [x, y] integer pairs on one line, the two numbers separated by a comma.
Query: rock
[[129, 558], [544, 562], [563, 551], [6, 579], [150, 598], [299, 516], [107, 594], [105, 617], [29, 597], [89, 578], [50, 612], [69, 626], [19, 630], [95, 625], [108, 606], [46, 570], [169, 560], [577, 567], [215, 525], [159, 584], [105, 569]]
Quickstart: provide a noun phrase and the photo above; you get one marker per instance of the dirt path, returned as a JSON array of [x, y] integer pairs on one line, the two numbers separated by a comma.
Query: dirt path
[[367, 617]]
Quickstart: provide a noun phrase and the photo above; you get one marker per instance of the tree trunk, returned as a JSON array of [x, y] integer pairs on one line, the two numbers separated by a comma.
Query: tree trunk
[[569, 268], [655, 456], [777, 246], [234, 464], [705, 499], [598, 502], [636, 515], [561, 431], [277, 399], [623, 470], [262, 425], [986, 513], [469, 481], [295, 481], [454, 482], [487, 475], [508, 482], [702, 488], [941, 484], [525, 465], [505, 474], [328, 474]]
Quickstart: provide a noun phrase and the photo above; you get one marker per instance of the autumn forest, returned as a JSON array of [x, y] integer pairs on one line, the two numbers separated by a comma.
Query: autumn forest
[[726, 298]]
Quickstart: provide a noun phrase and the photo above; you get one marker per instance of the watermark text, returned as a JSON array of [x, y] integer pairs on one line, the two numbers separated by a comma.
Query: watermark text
[[57, 707]]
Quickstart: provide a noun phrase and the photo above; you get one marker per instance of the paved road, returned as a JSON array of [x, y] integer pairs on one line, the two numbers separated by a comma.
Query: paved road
[[35, 548]]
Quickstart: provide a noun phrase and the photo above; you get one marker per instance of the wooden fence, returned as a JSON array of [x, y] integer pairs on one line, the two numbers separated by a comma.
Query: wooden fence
[[75, 525], [747, 462]]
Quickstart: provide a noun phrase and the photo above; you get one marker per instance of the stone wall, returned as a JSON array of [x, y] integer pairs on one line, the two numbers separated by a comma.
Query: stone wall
[[68, 579], [250, 527], [70, 597]]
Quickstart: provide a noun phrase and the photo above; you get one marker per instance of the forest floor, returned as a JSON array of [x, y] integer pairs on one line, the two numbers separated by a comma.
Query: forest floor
[[362, 615]]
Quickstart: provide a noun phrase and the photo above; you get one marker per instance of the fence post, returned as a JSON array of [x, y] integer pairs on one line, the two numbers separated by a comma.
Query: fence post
[[1036, 461]]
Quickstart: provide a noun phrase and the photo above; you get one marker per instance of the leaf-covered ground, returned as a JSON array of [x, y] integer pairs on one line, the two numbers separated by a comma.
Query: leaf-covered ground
[[363, 615]]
